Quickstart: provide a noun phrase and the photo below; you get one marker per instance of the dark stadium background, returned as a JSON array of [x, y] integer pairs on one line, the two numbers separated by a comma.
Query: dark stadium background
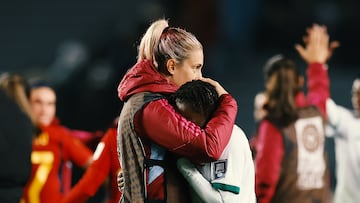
[[84, 47]]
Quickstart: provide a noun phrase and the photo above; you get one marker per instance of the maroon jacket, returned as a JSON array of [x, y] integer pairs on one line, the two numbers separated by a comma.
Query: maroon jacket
[[159, 122]]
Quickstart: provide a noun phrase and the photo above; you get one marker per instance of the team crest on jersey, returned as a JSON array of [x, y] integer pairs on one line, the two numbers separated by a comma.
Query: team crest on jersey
[[311, 137], [42, 139], [311, 164]]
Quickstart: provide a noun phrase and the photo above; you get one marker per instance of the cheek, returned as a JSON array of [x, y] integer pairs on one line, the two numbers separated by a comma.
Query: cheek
[[197, 74], [36, 109], [187, 76], [194, 74], [184, 75], [193, 77], [51, 111]]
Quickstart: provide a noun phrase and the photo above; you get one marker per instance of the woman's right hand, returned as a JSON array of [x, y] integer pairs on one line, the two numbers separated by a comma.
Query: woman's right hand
[[317, 48], [219, 89]]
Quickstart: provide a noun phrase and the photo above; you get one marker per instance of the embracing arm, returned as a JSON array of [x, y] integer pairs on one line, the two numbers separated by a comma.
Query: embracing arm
[[184, 137]]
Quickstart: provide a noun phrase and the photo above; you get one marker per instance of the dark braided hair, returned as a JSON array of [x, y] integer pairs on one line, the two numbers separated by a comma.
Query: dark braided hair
[[200, 95]]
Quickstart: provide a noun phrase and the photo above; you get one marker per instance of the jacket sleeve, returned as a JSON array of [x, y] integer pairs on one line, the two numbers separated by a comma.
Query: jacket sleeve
[[318, 86], [78, 152], [268, 161], [94, 175], [163, 125]]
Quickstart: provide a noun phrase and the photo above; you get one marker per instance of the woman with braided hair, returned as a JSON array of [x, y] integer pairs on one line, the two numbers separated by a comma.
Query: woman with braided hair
[[229, 179]]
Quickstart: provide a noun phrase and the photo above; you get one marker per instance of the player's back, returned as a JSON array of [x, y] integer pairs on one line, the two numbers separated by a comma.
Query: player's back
[[44, 184]]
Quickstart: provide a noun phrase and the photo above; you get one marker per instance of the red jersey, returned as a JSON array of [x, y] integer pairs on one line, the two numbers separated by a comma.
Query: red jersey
[[50, 148], [105, 163]]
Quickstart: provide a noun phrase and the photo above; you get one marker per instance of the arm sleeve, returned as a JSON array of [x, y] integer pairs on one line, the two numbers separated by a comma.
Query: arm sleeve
[[169, 129], [94, 176], [268, 161], [201, 186], [76, 150], [318, 86], [338, 117], [333, 113]]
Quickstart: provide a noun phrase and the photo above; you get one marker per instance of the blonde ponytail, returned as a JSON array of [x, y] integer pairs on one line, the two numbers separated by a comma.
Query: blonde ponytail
[[151, 39]]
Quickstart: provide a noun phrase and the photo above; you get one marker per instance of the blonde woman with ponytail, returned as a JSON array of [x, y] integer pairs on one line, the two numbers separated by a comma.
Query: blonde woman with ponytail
[[150, 128]]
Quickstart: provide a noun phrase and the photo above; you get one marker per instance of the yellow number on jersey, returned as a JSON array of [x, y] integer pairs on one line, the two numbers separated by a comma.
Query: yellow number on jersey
[[45, 160]]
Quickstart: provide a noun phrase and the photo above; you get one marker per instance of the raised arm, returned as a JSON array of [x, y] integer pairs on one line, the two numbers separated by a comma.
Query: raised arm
[[316, 52]]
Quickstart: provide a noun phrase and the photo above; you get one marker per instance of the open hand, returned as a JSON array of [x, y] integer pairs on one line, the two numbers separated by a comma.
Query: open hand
[[317, 48]]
